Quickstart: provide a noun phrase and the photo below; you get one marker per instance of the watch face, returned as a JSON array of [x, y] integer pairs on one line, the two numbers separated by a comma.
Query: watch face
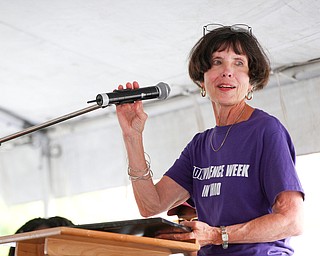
[[224, 237]]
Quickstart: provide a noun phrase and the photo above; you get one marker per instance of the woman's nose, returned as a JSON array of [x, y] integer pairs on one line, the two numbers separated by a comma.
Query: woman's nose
[[227, 71], [227, 74]]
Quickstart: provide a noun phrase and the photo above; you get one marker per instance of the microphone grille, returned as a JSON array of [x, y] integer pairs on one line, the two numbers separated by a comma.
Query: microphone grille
[[164, 90]]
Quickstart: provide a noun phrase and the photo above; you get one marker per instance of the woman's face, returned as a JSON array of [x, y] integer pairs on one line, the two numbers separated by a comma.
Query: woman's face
[[227, 81]]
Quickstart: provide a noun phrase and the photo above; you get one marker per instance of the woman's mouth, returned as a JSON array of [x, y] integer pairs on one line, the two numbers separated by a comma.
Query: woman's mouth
[[226, 86]]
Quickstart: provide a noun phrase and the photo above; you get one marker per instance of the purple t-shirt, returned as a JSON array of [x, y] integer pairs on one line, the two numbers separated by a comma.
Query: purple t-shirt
[[241, 181]]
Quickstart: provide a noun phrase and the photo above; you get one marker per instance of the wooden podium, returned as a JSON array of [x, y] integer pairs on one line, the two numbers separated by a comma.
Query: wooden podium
[[66, 241]]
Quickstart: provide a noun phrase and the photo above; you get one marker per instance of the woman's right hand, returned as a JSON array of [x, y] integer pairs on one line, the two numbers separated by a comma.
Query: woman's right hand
[[131, 116]]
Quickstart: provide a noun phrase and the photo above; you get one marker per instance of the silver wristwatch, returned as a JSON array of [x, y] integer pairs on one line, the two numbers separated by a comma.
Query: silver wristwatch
[[225, 237]]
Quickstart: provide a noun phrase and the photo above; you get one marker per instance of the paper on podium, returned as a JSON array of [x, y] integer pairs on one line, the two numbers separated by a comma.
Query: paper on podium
[[148, 227]]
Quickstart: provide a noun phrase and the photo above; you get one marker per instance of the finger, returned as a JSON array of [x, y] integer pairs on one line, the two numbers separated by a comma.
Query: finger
[[191, 224], [135, 85], [120, 87], [129, 85], [186, 223], [177, 236], [140, 111]]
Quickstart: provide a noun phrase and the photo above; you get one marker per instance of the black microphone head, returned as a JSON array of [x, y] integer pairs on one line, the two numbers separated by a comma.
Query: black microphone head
[[164, 90]]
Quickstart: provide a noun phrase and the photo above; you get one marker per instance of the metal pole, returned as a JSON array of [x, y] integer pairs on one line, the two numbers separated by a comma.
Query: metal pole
[[49, 123]]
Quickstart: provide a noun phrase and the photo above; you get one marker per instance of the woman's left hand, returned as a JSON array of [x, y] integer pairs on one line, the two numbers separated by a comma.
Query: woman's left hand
[[201, 232]]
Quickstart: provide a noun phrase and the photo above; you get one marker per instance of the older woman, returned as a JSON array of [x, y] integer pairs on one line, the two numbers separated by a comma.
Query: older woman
[[240, 174]]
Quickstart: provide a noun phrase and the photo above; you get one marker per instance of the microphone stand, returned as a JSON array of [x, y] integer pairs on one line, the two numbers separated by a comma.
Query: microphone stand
[[49, 123]]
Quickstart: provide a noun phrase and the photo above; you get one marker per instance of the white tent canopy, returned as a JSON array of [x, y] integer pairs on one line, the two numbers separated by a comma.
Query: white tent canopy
[[57, 55]]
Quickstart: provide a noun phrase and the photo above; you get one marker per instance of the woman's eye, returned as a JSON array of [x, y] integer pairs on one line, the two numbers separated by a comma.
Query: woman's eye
[[216, 62], [239, 63]]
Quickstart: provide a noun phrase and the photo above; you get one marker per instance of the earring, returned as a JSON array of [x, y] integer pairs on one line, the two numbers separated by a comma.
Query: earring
[[203, 92], [249, 95]]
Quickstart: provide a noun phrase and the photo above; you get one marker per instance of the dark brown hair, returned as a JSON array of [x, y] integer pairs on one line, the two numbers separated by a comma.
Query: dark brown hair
[[41, 223], [200, 60]]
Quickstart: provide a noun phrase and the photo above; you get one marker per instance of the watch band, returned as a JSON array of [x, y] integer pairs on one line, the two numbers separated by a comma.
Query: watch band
[[225, 237]]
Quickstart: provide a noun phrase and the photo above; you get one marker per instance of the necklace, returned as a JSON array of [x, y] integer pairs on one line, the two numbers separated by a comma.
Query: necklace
[[227, 133]]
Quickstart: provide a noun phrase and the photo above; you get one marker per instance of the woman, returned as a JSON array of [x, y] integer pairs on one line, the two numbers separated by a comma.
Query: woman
[[240, 174]]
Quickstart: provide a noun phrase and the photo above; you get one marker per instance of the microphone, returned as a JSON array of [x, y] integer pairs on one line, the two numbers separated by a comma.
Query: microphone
[[160, 91]]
